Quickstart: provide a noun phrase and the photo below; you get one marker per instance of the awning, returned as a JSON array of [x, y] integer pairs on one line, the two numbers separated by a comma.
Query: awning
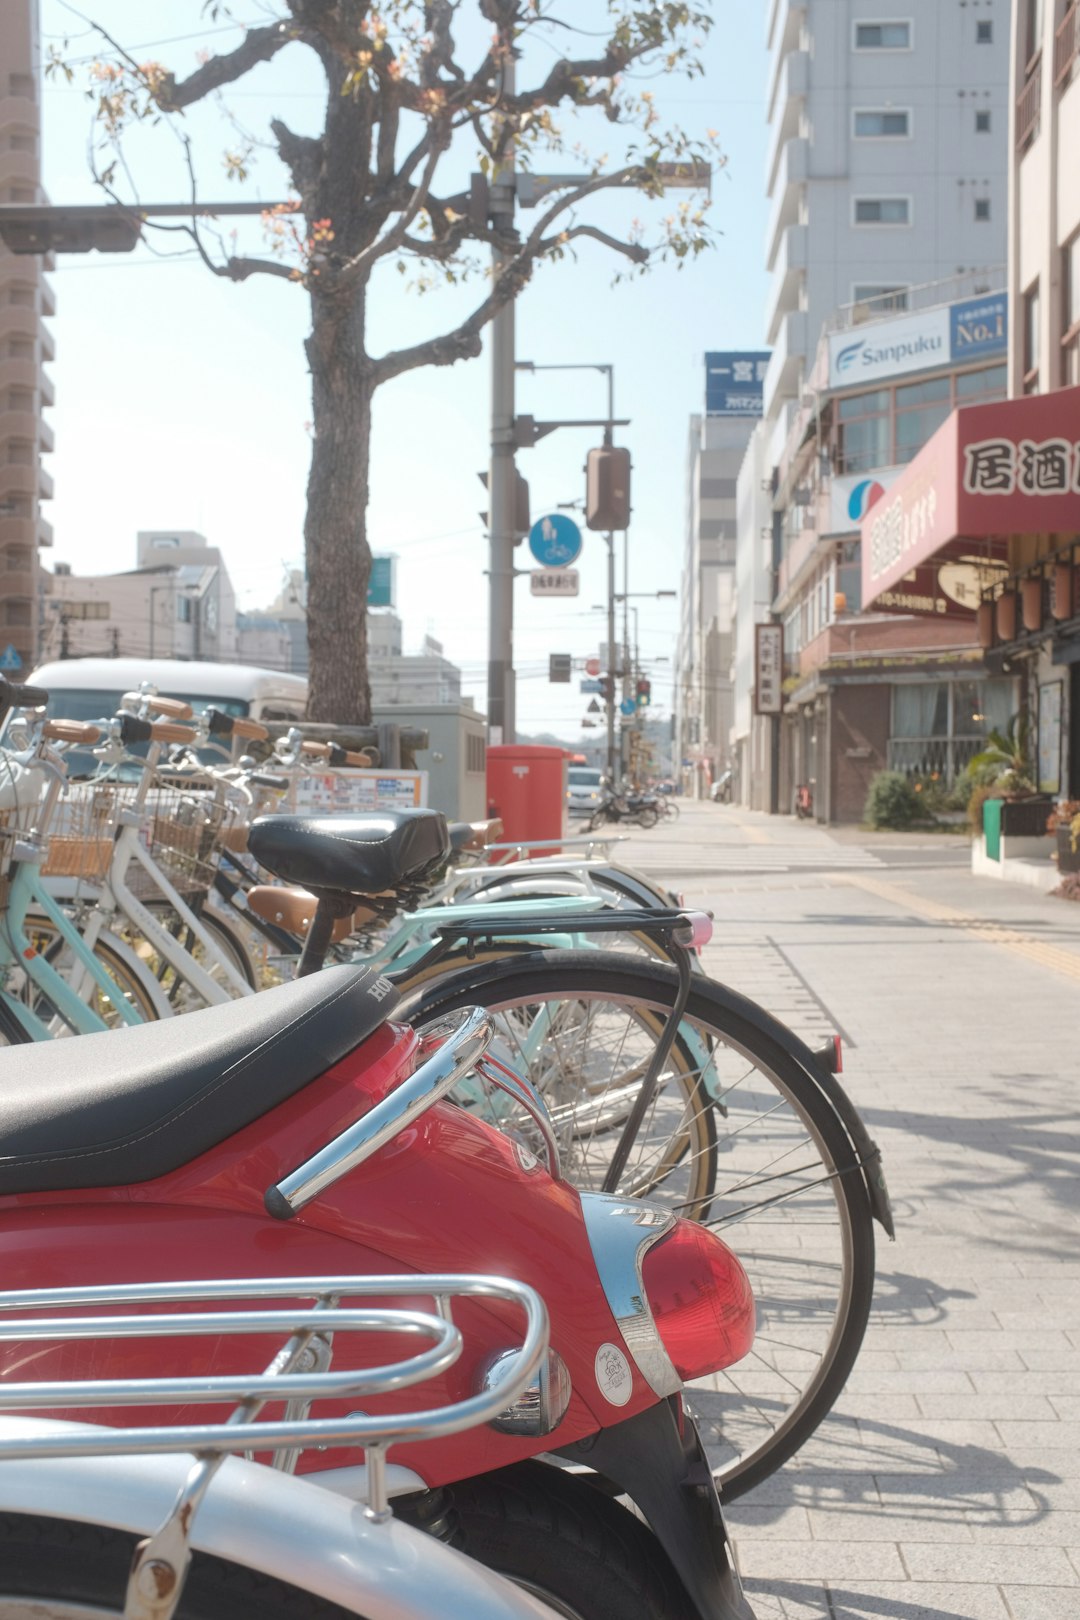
[[938, 536]]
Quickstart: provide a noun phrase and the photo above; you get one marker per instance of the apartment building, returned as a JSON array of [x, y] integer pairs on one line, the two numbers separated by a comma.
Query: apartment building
[[886, 167], [25, 344]]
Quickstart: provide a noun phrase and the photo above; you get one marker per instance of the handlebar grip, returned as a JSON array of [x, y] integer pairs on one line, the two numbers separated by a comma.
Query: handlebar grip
[[343, 756], [249, 728], [279, 784], [13, 695], [71, 731], [170, 731], [364, 760], [316, 750], [174, 708]]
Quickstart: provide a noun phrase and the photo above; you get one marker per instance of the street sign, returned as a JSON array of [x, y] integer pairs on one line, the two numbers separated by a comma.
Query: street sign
[[594, 707], [627, 707], [592, 666], [9, 658], [381, 582], [559, 667], [554, 582], [555, 541], [591, 686], [768, 668]]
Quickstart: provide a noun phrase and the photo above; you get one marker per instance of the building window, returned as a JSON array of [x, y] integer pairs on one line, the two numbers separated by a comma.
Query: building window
[[17, 613], [864, 430], [883, 36], [984, 33], [881, 210], [880, 124], [1070, 312], [1030, 339], [920, 410], [879, 298], [982, 121], [1033, 30], [982, 209], [982, 387], [183, 609]]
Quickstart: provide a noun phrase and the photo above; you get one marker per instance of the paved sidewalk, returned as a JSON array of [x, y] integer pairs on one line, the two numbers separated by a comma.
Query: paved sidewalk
[[947, 1482]]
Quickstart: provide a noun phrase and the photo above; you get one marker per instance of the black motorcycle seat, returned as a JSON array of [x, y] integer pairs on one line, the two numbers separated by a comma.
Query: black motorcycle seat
[[353, 854], [461, 834], [138, 1102]]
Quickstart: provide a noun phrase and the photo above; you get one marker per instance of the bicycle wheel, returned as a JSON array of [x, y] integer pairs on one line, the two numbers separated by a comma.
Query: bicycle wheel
[[781, 1175], [182, 996], [122, 966], [648, 816]]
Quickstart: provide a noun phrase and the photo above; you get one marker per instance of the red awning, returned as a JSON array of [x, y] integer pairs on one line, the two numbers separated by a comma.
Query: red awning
[[991, 471]]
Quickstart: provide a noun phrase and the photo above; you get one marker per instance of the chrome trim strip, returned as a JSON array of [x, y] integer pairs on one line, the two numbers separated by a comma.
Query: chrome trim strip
[[621, 1232], [460, 1050], [499, 1074]]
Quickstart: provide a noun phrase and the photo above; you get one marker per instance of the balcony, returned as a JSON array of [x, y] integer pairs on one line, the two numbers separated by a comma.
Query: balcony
[[792, 170], [784, 26], [1029, 106], [788, 275], [784, 374], [48, 299], [45, 485], [48, 392], [44, 532], [17, 582], [1067, 46], [45, 437], [787, 120]]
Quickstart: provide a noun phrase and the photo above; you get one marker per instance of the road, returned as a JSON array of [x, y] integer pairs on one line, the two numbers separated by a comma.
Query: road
[[947, 1482]]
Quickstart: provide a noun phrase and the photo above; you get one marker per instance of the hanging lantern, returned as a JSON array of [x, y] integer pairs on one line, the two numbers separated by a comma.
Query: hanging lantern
[[1031, 600], [1006, 616], [984, 624], [1062, 607]]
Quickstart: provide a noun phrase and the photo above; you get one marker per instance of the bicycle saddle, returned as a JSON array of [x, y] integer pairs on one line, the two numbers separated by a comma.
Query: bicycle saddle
[[352, 854], [146, 1100], [474, 834]]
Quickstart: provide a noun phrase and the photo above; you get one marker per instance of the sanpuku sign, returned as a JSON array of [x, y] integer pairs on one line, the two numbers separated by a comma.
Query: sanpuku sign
[[554, 582], [768, 668], [953, 334], [989, 472]]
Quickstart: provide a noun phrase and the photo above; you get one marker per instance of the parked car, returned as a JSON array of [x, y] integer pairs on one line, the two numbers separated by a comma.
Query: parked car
[[583, 790]]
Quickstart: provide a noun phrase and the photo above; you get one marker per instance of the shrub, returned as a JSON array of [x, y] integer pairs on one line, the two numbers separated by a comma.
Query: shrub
[[891, 801]]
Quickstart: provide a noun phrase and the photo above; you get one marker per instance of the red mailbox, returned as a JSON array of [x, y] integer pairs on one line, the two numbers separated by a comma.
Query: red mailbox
[[526, 786]]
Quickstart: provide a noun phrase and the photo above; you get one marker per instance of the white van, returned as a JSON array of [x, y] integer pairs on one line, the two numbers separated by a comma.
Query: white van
[[91, 688]]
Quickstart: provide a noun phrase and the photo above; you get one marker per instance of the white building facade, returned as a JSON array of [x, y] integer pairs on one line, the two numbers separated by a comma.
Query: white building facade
[[886, 166]]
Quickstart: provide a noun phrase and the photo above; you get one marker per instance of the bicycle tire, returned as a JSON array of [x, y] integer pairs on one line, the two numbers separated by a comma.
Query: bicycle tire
[[648, 816], [123, 967], [64, 1569], [812, 1315]]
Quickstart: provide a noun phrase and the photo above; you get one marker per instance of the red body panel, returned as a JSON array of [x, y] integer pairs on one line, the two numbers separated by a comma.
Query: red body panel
[[448, 1194]]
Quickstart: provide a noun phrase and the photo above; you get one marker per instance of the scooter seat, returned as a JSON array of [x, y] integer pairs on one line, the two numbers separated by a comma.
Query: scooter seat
[[145, 1100], [361, 854]]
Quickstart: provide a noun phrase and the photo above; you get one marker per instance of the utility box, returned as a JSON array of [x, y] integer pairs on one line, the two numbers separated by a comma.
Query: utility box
[[453, 757], [526, 785]]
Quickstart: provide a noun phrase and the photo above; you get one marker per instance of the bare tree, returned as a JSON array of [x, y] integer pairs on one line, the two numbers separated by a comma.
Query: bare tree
[[399, 105]]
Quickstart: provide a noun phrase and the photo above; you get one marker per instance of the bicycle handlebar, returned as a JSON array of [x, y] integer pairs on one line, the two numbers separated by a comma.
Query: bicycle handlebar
[[172, 708], [234, 725], [13, 695], [72, 731]]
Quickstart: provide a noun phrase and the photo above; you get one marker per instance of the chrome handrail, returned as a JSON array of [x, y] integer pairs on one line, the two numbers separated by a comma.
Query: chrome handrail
[[500, 1075], [461, 1050]]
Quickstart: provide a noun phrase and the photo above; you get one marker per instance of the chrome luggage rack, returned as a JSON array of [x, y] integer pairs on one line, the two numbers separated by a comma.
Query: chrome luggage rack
[[298, 1374]]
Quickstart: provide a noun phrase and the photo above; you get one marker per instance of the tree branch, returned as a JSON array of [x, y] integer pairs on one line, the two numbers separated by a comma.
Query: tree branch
[[632, 250], [258, 45], [302, 155]]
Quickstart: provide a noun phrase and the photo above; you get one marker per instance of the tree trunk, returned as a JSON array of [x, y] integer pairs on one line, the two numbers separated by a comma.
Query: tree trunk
[[335, 530]]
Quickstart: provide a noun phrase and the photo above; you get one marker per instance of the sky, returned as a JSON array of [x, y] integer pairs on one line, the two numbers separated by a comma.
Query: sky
[[182, 399]]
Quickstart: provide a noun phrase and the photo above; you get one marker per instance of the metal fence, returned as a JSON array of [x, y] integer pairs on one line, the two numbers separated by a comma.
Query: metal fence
[[929, 757]]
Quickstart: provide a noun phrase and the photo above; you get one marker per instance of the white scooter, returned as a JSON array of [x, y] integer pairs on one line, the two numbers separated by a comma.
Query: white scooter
[[119, 1522]]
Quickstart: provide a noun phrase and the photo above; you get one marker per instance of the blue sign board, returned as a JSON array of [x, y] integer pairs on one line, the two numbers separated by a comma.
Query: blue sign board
[[380, 590], [628, 707], [9, 658], [734, 382], [979, 327], [592, 686], [555, 541]]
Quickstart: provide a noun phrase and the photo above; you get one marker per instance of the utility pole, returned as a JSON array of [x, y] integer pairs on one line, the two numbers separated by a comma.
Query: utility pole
[[501, 696]]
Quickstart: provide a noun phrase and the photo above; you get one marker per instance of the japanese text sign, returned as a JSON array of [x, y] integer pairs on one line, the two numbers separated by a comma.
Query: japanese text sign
[[734, 382], [768, 668]]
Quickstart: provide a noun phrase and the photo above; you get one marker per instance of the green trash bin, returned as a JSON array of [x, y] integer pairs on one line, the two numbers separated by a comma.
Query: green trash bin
[[992, 827]]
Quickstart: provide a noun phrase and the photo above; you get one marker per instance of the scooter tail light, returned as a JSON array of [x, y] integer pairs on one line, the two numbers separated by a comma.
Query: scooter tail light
[[700, 1300]]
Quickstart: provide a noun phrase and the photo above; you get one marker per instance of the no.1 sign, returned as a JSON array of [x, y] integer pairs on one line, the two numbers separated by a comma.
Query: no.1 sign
[[555, 540]]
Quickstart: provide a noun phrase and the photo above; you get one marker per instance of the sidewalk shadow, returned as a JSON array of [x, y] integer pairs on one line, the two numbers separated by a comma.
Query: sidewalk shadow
[[837, 1603]]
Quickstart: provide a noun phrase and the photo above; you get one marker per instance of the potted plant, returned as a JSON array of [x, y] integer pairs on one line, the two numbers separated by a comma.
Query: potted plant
[[1007, 761], [1063, 823]]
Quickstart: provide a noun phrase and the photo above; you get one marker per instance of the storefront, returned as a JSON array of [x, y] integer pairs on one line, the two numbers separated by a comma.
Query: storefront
[[985, 524]]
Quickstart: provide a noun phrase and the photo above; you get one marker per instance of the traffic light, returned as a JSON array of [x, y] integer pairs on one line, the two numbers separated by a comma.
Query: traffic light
[[522, 522], [607, 688], [607, 489], [559, 667], [643, 691]]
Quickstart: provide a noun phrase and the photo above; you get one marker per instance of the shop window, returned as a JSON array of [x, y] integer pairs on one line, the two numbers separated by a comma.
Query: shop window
[[1070, 312], [1030, 339], [881, 210]]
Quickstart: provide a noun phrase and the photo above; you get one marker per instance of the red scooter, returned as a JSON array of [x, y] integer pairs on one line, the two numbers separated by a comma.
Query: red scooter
[[300, 1132]]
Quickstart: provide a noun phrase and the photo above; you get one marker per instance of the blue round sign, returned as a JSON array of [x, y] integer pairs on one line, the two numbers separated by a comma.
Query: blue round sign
[[628, 707], [555, 541]]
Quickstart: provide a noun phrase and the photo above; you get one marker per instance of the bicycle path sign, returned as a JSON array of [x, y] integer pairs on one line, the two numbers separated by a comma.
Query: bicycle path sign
[[9, 658], [555, 540]]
